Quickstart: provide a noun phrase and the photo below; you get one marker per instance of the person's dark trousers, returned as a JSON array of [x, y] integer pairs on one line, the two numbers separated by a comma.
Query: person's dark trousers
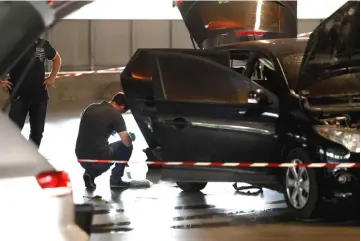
[[119, 152], [36, 108]]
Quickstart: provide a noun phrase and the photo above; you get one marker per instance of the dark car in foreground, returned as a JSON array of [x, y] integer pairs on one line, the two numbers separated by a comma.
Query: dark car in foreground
[[37, 200], [276, 99]]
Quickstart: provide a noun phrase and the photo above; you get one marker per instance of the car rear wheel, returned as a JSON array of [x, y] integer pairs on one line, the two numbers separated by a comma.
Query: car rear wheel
[[191, 186], [301, 187]]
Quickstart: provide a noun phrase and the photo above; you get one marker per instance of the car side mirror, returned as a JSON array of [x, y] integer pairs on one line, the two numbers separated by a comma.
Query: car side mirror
[[258, 97]]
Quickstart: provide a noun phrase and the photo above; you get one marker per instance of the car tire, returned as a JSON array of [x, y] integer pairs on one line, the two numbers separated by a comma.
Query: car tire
[[307, 202], [191, 186]]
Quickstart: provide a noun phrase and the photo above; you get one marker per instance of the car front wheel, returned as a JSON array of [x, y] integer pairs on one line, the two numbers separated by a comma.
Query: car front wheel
[[301, 187], [191, 186]]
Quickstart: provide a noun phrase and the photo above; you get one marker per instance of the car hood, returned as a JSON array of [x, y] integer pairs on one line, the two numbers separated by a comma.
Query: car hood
[[333, 49], [222, 22], [21, 22]]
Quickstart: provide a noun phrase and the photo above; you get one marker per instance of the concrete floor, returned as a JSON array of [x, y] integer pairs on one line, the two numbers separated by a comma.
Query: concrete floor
[[163, 212]]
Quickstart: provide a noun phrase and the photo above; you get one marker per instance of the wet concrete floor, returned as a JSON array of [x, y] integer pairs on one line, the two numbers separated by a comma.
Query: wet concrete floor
[[163, 212]]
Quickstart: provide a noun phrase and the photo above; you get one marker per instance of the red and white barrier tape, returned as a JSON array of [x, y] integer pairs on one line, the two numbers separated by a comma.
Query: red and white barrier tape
[[73, 74], [307, 34], [235, 164]]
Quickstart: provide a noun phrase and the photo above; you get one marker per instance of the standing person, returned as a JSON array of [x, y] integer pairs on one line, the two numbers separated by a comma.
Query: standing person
[[31, 96], [99, 121]]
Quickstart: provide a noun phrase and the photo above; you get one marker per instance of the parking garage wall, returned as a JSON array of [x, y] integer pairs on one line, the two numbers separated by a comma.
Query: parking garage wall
[[100, 44]]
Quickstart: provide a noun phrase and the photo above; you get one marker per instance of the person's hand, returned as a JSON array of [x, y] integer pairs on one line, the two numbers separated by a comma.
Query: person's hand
[[49, 82], [6, 84], [132, 136]]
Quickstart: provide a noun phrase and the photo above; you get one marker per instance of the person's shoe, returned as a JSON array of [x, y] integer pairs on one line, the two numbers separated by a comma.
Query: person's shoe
[[119, 184], [89, 181]]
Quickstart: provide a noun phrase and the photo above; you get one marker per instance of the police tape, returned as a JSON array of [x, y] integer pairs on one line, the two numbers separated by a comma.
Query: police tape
[[79, 73], [232, 164]]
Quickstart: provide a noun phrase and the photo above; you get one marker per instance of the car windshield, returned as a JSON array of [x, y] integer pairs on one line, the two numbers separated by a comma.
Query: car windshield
[[334, 80]]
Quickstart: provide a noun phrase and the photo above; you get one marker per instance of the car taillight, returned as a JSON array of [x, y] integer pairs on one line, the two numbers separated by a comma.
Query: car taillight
[[55, 183]]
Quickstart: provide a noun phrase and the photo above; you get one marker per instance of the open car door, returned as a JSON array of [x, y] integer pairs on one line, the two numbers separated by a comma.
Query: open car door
[[191, 107], [331, 62], [213, 23]]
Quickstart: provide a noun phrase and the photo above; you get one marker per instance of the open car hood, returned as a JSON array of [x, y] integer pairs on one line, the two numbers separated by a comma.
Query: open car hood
[[331, 62], [222, 22], [21, 22]]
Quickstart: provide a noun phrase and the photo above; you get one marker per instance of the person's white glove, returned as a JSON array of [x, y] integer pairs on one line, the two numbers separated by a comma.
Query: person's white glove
[[132, 136]]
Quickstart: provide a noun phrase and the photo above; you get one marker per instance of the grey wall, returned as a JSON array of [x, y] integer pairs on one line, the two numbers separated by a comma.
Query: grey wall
[[99, 44]]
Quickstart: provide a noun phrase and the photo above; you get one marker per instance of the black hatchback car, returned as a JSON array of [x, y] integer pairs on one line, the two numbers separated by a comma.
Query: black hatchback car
[[278, 99]]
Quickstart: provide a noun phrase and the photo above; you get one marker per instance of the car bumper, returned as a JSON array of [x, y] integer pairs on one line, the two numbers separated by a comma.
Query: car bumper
[[340, 182], [84, 216]]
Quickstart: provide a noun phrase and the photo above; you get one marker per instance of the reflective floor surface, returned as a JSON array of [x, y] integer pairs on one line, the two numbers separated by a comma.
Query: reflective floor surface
[[164, 213]]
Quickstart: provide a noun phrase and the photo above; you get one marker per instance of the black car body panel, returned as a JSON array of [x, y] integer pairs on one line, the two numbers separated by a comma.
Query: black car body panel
[[162, 108], [220, 22], [144, 90], [192, 106]]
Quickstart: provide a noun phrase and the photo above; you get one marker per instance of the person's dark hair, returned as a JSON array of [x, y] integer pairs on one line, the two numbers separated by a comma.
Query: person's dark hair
[[119, 99]]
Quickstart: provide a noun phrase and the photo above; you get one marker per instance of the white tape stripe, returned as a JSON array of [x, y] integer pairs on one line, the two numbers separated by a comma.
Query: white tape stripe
[[83, 160], [316, 165], [121, 161], [230, 164], [259, 164], [202, 164], [288, 164], [345, 165], [173, 163]]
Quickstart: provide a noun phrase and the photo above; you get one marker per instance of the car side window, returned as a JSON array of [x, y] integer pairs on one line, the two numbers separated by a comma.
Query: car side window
[[187, 77]]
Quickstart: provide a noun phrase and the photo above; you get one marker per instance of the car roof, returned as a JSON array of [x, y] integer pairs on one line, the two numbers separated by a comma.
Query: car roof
[[279, 47]]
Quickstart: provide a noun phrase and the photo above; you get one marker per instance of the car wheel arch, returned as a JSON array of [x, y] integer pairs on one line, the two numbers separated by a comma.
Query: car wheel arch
[[287, 147]]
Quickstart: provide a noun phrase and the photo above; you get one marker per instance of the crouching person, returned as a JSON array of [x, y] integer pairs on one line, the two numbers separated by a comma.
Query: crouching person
[[98, 122]]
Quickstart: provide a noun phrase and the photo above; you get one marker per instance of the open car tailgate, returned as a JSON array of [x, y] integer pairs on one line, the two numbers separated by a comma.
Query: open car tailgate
[[213, 23]]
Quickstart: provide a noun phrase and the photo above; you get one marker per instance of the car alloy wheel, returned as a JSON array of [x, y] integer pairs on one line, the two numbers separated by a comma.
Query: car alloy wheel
[[297, 185]]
